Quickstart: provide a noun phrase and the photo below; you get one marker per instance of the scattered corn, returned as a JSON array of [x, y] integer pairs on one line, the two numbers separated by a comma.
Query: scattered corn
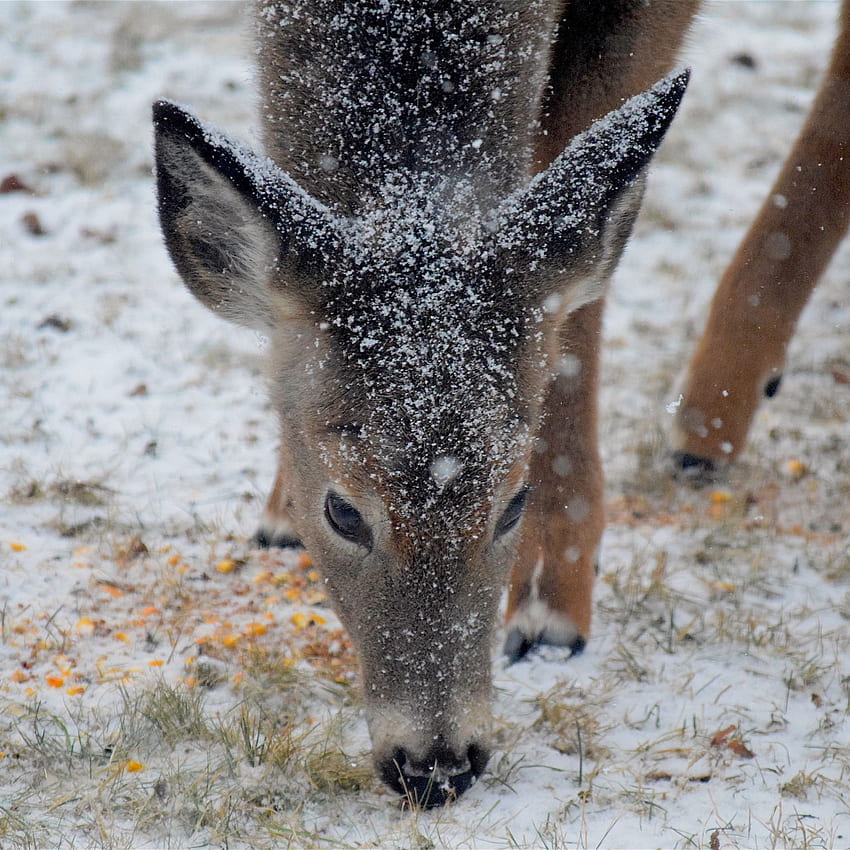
[[301, 620], [75, 690], [16, 546], [794, 469], [155, 662], [304, 560], [18, 676], [122, 636], [85, 625], [54, 681], [720, 497], [224, 566], [134, 766]]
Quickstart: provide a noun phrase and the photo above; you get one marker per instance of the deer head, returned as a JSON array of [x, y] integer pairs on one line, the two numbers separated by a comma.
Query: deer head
[[411, 345]]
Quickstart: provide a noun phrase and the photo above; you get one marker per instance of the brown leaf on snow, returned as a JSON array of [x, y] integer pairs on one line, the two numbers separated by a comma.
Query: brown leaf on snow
[[32, 224], [130, 550], [725, 738], [740, 749], [13, 183], [719, 738]]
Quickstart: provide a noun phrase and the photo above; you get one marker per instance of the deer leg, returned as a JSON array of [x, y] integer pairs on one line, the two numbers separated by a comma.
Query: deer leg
[[755, 309], [549, 597], [276, 523]]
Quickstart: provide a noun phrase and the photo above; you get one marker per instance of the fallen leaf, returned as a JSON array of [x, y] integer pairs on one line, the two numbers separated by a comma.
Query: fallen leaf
[[719, 738]]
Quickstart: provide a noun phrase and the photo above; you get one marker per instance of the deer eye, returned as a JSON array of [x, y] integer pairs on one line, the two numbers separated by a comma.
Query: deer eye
[[512, 513], [346, 521]]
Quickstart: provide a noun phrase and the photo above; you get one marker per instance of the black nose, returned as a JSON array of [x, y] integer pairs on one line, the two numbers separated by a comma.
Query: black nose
[[435, 780]]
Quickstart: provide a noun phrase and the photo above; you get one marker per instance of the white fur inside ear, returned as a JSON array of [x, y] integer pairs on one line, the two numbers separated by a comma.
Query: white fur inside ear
[[578, 291], [229, 248]]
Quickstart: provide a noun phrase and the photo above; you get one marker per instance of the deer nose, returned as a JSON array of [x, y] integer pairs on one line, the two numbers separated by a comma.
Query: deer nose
[[437, 779]]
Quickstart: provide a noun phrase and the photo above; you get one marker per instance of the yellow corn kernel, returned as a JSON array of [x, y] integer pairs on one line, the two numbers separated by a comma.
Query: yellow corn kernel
[[16, 546], [225, 565], [794, 469], [720, 497], [301, 620]]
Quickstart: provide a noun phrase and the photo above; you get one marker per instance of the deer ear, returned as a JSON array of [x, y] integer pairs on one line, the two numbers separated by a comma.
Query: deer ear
[[243, 236], [565, 231]]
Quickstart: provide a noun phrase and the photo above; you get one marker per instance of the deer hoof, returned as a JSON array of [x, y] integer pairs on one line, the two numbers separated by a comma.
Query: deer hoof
[[262, 539], [276, 535], [528, 630], [694, 468]]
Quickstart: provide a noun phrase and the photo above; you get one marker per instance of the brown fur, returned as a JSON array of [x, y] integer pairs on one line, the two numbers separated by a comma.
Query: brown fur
[[606, 51], [767, 284]]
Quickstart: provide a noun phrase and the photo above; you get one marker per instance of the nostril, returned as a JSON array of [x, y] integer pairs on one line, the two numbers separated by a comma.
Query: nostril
[[478, 757], [437, 780]]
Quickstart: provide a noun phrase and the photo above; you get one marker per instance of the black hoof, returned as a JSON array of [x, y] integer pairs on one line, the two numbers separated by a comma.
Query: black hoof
[[518, 645], [692, 467], [266, 540], [771, 388]]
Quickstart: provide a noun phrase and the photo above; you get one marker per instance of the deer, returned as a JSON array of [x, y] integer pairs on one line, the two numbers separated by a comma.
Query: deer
[[426, 240]]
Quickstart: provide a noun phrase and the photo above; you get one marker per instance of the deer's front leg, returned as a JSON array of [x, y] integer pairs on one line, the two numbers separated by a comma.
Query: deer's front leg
[[549, 598], [276, 523]]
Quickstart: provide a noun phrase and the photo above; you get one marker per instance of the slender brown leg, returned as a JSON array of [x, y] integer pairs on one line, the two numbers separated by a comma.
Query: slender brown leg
[[755, 309], [276, 526], [549, 599], [606, 51]]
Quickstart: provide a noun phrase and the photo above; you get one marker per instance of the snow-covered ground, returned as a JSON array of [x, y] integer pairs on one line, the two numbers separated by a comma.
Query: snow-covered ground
[[136, 447]]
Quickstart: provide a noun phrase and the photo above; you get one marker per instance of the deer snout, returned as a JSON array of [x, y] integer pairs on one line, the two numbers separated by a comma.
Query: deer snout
[[430, 761], [437, 778]]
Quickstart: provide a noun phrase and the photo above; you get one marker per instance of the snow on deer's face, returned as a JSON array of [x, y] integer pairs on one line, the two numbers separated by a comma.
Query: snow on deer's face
[[411, 345], [410, 433]]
